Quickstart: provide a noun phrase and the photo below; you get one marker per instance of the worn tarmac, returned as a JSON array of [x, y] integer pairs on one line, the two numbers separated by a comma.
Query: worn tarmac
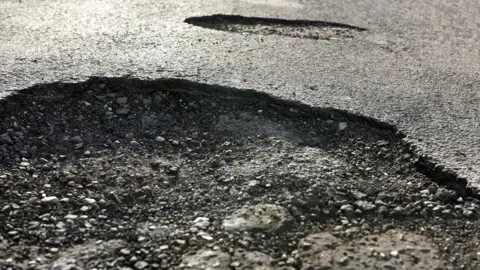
[[416, 65]]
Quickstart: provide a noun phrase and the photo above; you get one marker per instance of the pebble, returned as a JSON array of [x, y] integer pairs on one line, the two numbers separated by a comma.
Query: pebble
[[352, 230], [263, 217], [180, 242], [50, 200], [359, 195], [291, 261], [70, 216], [122, 100], [347, 209], [365, 205], [78, 146], [206, 259], [447, 212], [141, 265], [160, 139], [129, 136], [342, 125], [76, 140], [467, 213], [147, 102], [205, 236], [201, 222], [123, 111], [399, 210], [90, 201], [125, 251], [134, 144], [244, 243], [383, 210], [5, 138]]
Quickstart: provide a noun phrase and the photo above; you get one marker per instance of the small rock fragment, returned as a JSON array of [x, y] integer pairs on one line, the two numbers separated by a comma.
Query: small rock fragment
[[122, 100], [201, 222], [365, 205], [206, 259], [123, 111], [160, 139], [260, 217], [347, 209], [467, 213], [141, 265], [342, 125], [90, 201], [129, 137], [76, 140], [50, 200], [78, 146], [134, 144]]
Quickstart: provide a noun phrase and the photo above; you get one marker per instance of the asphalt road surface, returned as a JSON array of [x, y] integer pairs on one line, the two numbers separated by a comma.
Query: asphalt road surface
[[411, 64], [415, 67]]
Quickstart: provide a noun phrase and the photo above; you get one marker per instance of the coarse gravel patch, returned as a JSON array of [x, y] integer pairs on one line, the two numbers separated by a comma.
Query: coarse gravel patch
[[129, 174], [273, 26]]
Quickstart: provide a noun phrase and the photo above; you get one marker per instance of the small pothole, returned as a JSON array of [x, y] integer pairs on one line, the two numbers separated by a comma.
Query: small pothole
[[160, 164], [271, 26]]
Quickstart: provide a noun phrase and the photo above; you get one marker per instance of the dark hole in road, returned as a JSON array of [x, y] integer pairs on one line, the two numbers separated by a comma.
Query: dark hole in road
[[102, 159], [272, 26]]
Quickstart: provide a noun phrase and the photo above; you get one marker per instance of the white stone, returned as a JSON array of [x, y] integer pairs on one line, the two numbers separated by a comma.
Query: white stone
[[201, 222], [206, 259], [50, 200], [90, 201], [260, 217]]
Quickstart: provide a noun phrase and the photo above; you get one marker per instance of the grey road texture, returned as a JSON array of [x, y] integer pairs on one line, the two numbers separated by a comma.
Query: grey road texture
[[415, 67], [246, 134]]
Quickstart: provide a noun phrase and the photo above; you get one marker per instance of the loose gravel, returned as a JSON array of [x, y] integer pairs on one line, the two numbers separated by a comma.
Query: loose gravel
[[112, 174], [270, 26]]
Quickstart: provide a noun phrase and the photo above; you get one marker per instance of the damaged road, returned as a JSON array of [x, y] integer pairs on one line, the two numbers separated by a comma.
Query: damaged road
[[357, 148], [169, 174]]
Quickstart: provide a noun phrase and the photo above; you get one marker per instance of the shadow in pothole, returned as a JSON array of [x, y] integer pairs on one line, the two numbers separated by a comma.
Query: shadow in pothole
[[271, 26]]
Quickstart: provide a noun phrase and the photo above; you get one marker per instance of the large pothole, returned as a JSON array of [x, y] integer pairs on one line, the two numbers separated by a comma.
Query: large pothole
[[169, 168], [273, 26]]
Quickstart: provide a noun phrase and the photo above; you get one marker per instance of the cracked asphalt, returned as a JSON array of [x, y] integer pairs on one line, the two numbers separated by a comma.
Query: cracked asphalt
[[415, 67]]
